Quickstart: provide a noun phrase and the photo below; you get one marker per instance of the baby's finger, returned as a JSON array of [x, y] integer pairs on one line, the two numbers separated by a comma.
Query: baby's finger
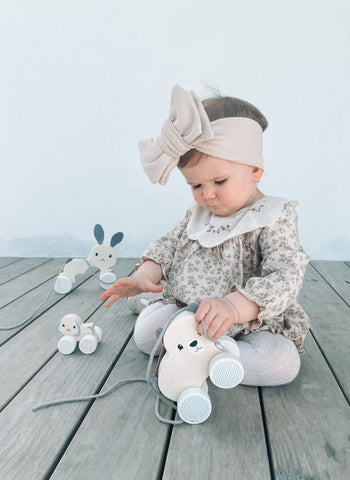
[[155, 289], [212, 323], [110, 291], [105, 295], [111, 300], [220, 331], [202, 310], [216, 328]]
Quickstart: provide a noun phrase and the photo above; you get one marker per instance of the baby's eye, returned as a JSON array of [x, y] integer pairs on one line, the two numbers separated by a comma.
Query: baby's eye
[[196, 186], [220, 182]]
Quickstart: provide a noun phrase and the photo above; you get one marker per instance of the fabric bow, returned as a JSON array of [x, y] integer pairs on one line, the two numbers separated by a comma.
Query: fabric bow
[[187, 125]]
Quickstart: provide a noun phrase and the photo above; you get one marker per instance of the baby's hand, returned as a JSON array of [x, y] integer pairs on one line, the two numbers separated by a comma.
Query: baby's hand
[[218, 314], [128, 287]]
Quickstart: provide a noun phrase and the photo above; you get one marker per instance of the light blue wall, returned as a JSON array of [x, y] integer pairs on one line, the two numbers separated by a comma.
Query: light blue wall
[[83, 80]]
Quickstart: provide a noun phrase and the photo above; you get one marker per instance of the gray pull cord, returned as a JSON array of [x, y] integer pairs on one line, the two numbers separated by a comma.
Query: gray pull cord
[[123, 382], [89, 397], [165, 420], [148, 380], [4, 329]]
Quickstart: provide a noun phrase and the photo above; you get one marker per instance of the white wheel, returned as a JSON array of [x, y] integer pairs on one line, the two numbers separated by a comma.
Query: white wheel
[[67, 344], [107, 279], [63, 284], [229, 344], [98, 332], [194, 406], [226, 370], [88, 344]]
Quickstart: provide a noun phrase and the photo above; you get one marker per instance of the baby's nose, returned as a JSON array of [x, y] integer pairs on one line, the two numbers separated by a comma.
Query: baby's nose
[[194, 343], [209, 193]]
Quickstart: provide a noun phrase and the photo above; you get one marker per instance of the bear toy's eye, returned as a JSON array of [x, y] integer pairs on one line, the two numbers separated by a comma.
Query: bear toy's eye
[[74, 326], [110, 256], [63, 325], [180, 347], [96, 254]]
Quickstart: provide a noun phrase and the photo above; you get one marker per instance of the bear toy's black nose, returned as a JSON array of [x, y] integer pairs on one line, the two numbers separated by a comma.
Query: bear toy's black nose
[[194, 343]]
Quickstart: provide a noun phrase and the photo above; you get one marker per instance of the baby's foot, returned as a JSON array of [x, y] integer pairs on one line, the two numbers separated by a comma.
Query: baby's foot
[[139, 302]]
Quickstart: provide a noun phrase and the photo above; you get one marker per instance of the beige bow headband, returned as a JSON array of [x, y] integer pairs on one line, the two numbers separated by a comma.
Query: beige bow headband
[[238, 139]]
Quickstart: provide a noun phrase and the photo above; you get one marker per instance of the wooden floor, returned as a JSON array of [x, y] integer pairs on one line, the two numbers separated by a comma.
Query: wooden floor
[[298, 431]]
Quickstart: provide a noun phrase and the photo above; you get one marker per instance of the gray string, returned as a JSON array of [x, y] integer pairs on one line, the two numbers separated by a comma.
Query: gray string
[[31, 317], [149, 380], [37, 309], [88, 397]]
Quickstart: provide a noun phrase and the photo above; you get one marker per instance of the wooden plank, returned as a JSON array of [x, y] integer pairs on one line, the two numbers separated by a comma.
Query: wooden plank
[[337, 274], [18, 268], [230, 444], [17, 287], [308, 423], [31, 442], [25, 306], [30, 349], [330, 323], [124, 420], [5, 261]]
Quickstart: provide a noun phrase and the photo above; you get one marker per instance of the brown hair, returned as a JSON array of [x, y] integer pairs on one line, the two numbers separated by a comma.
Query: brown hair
[[222, 107]]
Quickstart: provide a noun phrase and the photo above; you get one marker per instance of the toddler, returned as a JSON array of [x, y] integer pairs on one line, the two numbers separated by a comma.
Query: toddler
[[236, 252]]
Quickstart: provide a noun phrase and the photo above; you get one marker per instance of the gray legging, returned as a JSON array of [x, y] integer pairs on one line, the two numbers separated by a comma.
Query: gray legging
[[267, 359]]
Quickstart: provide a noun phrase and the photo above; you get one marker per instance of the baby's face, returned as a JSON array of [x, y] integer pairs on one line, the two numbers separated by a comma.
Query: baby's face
[[222, 186]]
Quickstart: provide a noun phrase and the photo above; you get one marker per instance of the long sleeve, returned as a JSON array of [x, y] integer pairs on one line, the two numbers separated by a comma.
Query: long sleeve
[[282, 268]]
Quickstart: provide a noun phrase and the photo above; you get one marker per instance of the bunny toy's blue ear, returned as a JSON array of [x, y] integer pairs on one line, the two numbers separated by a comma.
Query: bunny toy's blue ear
[[57, 328], [117, 238], [99, 234]]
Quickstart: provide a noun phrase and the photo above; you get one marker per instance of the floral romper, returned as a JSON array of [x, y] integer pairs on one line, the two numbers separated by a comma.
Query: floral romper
[[254, 251]]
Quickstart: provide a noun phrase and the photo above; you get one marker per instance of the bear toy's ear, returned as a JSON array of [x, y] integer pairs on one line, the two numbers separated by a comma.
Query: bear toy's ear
[[192, 307], [181, 329]]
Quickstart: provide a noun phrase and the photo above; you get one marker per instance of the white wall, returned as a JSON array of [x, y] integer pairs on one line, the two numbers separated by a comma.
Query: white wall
[[83, 80]]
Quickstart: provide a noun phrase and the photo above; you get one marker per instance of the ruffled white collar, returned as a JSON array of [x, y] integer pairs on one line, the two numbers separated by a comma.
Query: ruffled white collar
[[211, 230]]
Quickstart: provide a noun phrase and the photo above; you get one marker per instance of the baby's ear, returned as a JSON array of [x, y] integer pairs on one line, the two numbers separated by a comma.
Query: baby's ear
[[257, 174]]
